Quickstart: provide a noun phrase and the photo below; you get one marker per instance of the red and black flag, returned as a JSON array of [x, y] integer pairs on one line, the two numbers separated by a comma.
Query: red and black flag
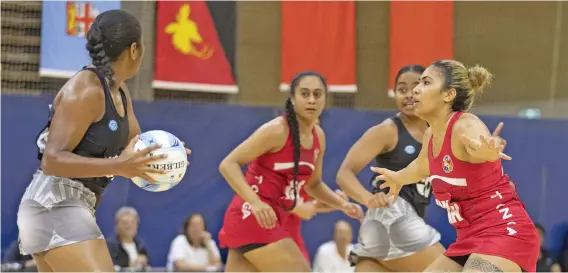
[[195, 46]]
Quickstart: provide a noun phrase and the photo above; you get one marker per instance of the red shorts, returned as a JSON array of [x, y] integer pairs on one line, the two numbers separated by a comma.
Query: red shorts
[[240, 227], [507, 232], [293, 226]]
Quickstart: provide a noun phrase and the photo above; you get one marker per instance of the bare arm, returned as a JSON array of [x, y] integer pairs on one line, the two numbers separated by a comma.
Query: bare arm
[[321, 207], [469, 127], [418, 169], [315, 187], [268, 137], [376, 140], [77, 108]]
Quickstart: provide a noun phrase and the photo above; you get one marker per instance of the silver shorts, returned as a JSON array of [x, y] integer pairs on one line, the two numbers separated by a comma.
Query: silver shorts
[[55, 212], [393, 233]]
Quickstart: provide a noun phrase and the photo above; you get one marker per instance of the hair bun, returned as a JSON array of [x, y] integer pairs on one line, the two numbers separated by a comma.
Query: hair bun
[[479, 77]]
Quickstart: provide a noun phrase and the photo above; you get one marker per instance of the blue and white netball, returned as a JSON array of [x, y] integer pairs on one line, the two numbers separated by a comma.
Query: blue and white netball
[[175, 164]]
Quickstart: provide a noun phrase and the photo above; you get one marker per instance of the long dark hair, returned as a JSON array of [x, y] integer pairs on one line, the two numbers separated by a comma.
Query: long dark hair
[[111, 33], [294, 126]]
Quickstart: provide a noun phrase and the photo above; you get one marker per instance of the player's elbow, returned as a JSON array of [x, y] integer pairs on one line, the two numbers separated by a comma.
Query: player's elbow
[[342, 175], [225, 165], [49, 163]]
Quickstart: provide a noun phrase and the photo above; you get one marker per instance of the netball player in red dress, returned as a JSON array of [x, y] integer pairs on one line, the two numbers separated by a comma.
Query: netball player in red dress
[[283, 156], [463, 162]]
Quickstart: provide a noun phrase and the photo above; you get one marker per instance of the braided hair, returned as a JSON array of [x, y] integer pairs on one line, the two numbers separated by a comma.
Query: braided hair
[[294, 126], [112, 32]]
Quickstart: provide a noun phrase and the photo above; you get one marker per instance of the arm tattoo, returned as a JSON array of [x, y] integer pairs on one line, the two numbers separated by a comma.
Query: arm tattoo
[[481, 265]]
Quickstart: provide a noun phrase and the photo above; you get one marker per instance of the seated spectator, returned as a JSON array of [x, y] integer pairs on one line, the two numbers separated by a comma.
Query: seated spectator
[[126, 249], [18, 261], [545, 263], [333, 255], [194, 250]]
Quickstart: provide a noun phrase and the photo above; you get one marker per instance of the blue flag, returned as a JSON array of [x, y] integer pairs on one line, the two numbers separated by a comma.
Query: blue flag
[[64, 26]]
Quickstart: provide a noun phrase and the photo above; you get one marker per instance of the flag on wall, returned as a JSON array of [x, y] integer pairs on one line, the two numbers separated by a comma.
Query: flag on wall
[[189, 54], [63, 30], [421, 32], [319, 36]]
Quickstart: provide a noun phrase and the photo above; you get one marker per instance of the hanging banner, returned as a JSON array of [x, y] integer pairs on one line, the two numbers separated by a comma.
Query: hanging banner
[[319, 36], [421, 32], [189, 55], [64, 26]]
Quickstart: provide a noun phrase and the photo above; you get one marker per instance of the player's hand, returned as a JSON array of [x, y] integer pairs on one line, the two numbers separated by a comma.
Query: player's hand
[[305, 210], [378, 200], [187, 151], [496, 134], [352, 210], [489, 149], [264, 214], [133, 163], [392, 181]]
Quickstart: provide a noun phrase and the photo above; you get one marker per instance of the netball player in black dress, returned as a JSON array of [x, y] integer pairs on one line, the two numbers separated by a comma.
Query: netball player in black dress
[[89, 139]]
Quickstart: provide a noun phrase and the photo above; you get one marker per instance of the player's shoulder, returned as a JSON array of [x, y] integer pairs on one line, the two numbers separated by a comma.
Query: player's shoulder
[[276, 128], [84, 85], [386, 129], [464, 121]]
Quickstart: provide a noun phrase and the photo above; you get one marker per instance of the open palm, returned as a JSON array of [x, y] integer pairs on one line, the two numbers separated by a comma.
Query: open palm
[[490, 148], [392, 181]]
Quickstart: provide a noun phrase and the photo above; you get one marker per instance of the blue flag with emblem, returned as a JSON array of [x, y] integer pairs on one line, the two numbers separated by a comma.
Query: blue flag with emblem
[[64, 26]]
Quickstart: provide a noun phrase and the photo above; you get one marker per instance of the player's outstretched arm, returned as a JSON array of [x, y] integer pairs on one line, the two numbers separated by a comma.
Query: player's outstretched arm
[[476, 140], [375, 140], [321, 192], [322, 208], [417, 170]]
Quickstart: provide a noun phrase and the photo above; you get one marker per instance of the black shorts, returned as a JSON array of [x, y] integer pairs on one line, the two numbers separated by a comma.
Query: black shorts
[[249, 247]]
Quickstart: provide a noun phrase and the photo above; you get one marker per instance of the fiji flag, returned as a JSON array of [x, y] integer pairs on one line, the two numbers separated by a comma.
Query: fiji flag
[[63, 30]]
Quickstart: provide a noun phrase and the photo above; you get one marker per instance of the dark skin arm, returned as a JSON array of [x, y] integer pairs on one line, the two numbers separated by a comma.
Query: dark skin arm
[[80, 103], [321, 192], [376, 140]]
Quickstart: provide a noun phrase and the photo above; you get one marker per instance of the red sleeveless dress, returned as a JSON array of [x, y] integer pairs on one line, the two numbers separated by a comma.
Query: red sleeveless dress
[[271, 175], [485, 210]]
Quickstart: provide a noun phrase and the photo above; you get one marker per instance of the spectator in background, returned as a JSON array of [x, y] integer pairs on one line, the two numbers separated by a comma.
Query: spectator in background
[[194, 250], [332, 256], [545, 263], [17, 261], [126, 249]]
